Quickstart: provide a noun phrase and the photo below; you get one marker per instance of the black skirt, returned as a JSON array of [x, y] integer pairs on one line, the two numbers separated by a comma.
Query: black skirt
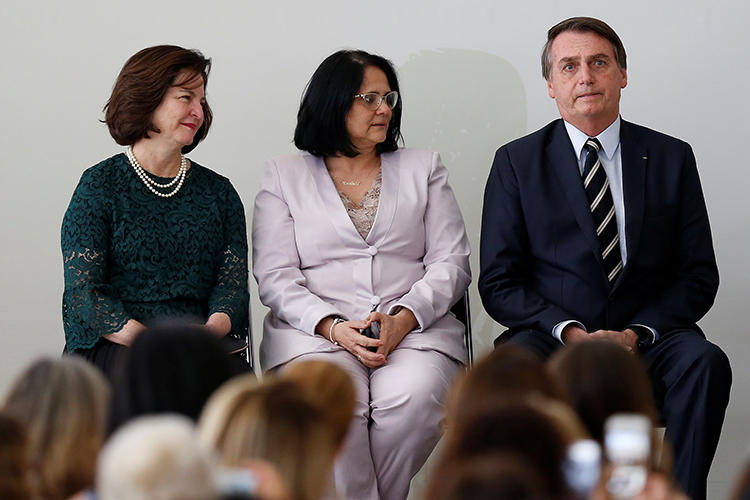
[[105, 355]]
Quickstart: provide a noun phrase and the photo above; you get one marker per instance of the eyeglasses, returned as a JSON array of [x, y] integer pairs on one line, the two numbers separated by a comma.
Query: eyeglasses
[[373, 100]]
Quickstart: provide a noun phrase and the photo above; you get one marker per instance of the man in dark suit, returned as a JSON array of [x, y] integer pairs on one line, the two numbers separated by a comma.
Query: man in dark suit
[[596, 228]]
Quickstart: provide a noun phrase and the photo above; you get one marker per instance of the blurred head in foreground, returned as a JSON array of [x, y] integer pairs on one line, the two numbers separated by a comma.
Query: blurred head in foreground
[[272, 421], [156, 458], [330, 388], [171, 368], [14, 480], [63, 404], [508, 372]]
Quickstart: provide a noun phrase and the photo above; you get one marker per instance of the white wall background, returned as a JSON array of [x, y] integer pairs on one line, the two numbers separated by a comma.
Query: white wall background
[[470, 81]]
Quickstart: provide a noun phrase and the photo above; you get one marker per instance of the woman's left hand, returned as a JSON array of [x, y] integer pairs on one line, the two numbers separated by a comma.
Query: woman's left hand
[[219, 323], [394, 328]]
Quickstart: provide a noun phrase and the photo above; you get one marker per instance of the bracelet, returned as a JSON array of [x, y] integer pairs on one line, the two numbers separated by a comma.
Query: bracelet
[[336, 321]]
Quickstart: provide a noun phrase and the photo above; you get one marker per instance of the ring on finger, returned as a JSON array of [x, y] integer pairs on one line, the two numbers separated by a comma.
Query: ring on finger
[[359, 357]]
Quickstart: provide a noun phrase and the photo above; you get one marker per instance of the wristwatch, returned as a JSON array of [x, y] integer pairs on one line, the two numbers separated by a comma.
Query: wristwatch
[[645, 336]]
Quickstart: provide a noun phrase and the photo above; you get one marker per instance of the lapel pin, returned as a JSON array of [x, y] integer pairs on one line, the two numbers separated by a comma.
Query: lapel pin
[[644, 157]]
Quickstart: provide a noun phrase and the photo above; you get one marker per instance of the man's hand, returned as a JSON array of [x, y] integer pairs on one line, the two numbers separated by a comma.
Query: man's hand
[[626, 338], [572, 334]]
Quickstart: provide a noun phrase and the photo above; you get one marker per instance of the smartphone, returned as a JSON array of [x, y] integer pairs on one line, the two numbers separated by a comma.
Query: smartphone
[[372, 331], [627, 442]]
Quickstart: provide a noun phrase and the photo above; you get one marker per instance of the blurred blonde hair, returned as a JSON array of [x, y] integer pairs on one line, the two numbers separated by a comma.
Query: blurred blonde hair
[[63, 403], [331, 388], [272, 421]]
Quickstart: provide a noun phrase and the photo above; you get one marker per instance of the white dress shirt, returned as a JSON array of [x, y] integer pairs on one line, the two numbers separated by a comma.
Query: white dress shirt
[[611, 160]]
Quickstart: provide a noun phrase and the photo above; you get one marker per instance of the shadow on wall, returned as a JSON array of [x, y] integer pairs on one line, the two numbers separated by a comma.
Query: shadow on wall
[[464, 104]]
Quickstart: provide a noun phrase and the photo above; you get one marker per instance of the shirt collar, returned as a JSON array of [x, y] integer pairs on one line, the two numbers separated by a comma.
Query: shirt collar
[[609, 138]]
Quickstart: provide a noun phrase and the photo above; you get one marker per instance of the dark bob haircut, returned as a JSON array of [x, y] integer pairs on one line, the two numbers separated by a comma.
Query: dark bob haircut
[[141, 86], [582, 25], [321, 120], [170, 368]]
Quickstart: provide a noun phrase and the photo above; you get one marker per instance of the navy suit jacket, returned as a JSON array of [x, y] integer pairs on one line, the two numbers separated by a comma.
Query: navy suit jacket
[[540, 258]]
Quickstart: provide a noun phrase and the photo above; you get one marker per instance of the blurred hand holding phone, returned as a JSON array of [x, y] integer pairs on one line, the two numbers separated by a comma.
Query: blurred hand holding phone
[[582, 467], [627, 443]]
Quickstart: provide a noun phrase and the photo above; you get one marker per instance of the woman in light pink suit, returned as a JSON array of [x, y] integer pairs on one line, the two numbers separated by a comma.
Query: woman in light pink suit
[[354, 235]]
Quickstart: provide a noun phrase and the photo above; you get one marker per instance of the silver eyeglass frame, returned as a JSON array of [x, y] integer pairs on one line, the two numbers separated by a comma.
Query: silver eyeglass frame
[[381, 99]]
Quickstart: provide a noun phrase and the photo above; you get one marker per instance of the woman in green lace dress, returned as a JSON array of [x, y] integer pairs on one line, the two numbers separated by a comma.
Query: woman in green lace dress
[[149, 234]]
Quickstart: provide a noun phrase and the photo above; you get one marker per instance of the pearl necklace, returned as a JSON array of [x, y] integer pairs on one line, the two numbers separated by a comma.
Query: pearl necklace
[[151, 184]]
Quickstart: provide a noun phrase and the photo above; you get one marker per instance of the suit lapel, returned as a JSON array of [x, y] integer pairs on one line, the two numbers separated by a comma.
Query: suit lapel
[[390, 169], [634, 161], [335, 209], [331, 201], [561, 158]]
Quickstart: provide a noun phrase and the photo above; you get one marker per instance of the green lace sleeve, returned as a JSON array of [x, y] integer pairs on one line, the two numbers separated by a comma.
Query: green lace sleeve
[[88, 309], [230, 293]]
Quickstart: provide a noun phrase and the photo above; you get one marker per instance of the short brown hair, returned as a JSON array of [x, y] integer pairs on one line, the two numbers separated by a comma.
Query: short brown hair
[[141, 86], [582, 25], [591, 376], [496, 426], [507, 373]]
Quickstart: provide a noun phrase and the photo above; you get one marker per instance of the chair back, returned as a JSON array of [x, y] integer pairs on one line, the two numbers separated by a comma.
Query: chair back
[[462, 312]]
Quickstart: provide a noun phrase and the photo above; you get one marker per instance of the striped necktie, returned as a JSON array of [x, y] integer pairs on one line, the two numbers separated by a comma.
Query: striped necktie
[[602, 207]]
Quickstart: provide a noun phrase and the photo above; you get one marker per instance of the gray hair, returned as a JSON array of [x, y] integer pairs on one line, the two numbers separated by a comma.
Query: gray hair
[[156, 458]]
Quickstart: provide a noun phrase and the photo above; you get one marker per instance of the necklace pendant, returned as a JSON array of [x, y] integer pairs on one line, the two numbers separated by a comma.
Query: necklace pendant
[[351, 183]]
